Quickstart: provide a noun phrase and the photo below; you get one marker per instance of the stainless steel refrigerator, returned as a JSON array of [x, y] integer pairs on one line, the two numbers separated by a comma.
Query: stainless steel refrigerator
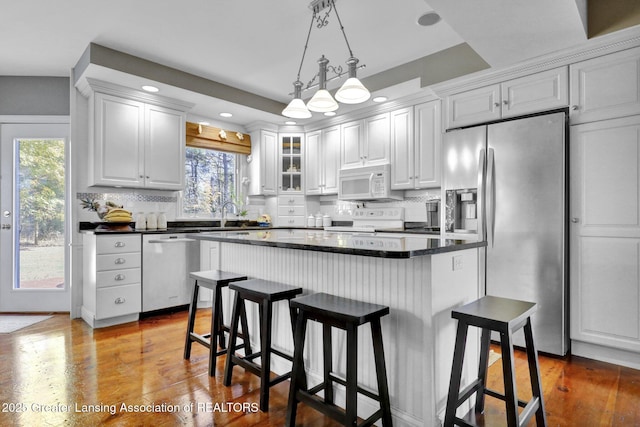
[[506, 183]]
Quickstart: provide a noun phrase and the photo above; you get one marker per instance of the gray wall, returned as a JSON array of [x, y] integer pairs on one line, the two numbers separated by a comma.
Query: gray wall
[[37, 96]]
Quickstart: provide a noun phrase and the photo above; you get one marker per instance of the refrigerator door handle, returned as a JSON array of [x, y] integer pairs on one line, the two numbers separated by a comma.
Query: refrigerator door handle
[[491, 197], [482, 172]]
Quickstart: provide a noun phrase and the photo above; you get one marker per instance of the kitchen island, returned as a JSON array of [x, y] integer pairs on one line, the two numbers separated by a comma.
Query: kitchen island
[[421, 278]]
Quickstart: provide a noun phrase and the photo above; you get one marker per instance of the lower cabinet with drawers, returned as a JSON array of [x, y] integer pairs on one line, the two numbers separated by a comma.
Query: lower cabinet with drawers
[[112, 278]]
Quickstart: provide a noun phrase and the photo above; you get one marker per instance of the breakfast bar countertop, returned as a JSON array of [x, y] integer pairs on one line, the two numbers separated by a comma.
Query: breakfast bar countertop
[[379, 244]]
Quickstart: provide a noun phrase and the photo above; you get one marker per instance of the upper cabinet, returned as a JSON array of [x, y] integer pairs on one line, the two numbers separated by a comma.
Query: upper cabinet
[[365, 142], [263, 164], [606, 87], [538, 92], [416, 138], [135, 143], [322, 161], [291, 165]]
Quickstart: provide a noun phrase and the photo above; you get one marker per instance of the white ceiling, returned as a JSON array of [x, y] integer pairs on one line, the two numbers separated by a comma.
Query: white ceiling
[[256, 45]]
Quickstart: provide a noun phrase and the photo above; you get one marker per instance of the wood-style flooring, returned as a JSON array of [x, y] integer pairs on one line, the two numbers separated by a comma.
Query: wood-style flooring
[[60, 372]]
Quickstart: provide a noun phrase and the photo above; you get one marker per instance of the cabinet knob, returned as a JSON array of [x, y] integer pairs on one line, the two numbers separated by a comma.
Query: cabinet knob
[[292, 210], [141, 176], [120, 261], [120, 277], [575, 220], [496, 104], [575, 107], [119, 245], [119, 300], [505, 102]]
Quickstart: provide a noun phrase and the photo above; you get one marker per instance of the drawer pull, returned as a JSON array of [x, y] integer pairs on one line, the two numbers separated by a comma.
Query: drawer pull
[[120, 277], [120, 261], [292, 210], [119, 245], [120, 300]]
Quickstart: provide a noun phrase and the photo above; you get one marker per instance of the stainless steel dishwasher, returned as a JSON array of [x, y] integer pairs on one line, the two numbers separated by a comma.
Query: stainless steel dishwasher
[[167, 260]]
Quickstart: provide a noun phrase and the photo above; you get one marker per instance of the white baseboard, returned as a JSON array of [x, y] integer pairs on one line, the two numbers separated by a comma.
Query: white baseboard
[[605, 354]]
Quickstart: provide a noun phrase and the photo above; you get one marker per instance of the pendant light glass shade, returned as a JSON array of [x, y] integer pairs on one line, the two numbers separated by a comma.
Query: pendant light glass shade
[[352, 91], [322, 102], [296, 108]]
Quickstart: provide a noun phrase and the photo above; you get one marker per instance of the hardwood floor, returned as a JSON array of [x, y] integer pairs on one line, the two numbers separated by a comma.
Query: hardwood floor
[[85, 376]]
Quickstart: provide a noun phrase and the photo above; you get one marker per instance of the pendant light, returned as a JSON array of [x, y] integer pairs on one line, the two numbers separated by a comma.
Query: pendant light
[[352, 91], [296, 108], [322, 101]]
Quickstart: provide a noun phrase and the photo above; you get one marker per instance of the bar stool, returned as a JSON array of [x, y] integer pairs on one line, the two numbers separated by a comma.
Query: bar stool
[[346, 314], [504, 316], [264, 293], [214, 280]]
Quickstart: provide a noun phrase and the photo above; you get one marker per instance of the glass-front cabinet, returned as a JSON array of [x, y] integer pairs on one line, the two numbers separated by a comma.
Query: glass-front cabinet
[[291, 163]]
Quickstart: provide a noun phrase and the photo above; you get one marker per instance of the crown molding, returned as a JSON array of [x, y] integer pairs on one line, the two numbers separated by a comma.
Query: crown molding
[[87, 86], [621, 40]]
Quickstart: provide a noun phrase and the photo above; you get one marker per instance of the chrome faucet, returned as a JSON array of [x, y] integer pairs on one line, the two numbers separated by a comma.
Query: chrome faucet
[[223, 222]]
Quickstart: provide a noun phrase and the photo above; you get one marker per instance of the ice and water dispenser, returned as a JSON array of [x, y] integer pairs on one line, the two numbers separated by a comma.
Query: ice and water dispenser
[[461, 211]]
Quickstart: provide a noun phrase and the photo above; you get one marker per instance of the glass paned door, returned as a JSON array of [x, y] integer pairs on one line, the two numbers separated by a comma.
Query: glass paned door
[[32, 239]]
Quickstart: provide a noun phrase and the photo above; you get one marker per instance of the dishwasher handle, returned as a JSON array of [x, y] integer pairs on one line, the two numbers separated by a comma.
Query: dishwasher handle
[[173, 240]]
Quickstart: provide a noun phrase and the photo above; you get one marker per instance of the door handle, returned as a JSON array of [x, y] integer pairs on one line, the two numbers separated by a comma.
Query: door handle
[[481, 195], [491, 196]]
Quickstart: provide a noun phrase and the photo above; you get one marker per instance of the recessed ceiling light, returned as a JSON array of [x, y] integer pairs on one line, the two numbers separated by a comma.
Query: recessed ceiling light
[[226, 115], [380, 99], [149, 88], [330, 113], [290, 122], [428, 19]]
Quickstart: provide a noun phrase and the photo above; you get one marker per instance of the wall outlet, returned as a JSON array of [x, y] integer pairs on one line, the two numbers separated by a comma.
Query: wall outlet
[[456, 263]]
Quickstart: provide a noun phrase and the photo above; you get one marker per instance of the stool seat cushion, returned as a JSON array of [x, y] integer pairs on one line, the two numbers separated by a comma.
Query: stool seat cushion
[[265, 289], [498, 311], [213, 277], [347, 310]]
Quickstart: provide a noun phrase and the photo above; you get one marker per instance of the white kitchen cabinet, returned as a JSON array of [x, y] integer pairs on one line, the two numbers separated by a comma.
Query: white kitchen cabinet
[[605, 87], [322, 161], [112, 276], [263, 170], [365, 142], [291, 210], [136, 144], [605, 240], [291, 170], [529, 94], [416, 138]]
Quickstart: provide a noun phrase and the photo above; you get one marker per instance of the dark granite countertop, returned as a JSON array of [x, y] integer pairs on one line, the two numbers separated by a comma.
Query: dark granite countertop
[[381, 244]]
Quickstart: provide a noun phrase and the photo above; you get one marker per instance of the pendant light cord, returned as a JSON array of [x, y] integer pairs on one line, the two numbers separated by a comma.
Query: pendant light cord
[[306, 43], [342, 28]]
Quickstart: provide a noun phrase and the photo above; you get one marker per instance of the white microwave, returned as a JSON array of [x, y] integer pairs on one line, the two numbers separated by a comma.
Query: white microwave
[[367, 183]]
